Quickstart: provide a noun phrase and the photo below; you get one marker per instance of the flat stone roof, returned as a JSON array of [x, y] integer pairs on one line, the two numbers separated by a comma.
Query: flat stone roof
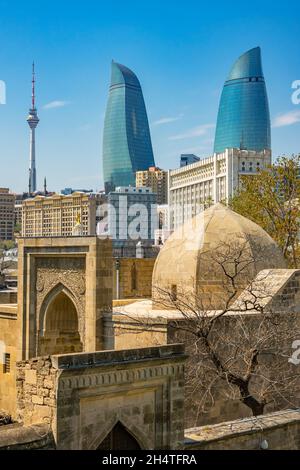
[[229, 429], [121, 356], [143, 309]]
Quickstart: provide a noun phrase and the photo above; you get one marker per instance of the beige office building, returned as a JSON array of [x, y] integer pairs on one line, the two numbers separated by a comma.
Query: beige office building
[[59, 215], [157, 180], [7, 214], [209, 181]]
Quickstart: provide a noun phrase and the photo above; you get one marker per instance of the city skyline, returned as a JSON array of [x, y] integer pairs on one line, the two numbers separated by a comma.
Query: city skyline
[[182, 73]]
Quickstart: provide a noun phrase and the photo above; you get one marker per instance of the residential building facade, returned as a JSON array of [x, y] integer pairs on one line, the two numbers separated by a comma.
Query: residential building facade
[[211, 180], [163, 232], [157, 180], [58, 215], [7, 214], [132, 217]]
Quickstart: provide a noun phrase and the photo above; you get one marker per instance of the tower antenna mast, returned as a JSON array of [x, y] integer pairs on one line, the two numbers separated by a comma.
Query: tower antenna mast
[[33, 121]]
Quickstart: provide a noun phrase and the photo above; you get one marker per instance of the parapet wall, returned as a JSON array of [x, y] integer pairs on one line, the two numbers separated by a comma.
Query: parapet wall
[[274, 431], [83, 397]]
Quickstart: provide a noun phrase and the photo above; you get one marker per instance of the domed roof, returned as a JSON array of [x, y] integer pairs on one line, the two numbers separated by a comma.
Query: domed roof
[[197, 257]]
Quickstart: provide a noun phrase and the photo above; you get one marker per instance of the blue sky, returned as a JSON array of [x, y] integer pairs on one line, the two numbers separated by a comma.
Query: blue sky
[[181, 52]]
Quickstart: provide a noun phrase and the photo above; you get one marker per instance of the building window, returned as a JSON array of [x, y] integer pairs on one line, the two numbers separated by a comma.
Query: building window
[[6, 365]]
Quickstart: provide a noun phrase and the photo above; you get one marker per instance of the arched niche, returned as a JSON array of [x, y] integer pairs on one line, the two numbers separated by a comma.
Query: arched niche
[[59, 332]]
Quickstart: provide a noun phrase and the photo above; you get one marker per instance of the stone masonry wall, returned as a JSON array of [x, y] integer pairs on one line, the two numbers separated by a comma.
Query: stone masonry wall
[[83, 396], [135, 278], [35, 437], [132, 329], [8, 339], [36, 391], [280, 431]]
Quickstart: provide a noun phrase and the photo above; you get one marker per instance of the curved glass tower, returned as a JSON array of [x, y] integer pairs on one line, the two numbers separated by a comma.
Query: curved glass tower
[[127, 144], [244, 119]]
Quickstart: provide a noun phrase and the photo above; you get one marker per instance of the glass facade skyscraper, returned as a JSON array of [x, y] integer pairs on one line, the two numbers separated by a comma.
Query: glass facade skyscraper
[[244, 119], [127, 145]]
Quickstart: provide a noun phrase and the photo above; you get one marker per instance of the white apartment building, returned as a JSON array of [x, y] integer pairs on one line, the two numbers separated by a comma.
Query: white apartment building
[[211, 180], [162, 233]]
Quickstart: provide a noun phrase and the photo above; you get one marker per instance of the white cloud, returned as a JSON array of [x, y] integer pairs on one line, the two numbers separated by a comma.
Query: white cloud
[[56, 104], [194, 132], [287, 119], [166, 120]]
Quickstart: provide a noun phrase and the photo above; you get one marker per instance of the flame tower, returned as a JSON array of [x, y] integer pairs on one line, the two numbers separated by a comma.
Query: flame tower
[[244, 118], [127, 145], [33, 121]]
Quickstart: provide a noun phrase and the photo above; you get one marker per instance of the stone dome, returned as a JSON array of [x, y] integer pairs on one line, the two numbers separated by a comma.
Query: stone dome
[[200, 256]]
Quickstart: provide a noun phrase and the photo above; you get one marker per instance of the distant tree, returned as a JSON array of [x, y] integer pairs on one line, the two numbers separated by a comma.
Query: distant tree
[[18, 228], [272, 200], [7, 244]]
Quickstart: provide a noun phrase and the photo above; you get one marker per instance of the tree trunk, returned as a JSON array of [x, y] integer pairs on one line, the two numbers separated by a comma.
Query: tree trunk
[[256, 407]]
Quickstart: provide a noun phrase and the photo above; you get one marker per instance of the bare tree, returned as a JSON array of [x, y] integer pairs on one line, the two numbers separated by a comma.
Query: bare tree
[[239, 351]]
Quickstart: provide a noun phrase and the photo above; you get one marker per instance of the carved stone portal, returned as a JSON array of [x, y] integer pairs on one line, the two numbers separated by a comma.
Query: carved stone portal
[[61, 301], [54, 277]]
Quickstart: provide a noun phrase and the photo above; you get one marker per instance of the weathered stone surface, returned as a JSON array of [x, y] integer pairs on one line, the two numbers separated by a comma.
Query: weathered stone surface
[[36, 437], [37, 400], [89, 393], [280, 430], [61, 276], [5, 418], [9, 334], [30, 377], [135, 278]]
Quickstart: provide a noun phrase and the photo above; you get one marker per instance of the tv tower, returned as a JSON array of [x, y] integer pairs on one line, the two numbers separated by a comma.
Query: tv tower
[[33, 121]]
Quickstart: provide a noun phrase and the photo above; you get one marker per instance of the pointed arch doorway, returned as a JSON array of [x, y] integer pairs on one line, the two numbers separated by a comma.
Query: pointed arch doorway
[[119, 439]]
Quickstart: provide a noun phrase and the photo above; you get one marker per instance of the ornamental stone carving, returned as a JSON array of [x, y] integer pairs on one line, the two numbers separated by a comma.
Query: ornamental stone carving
[[68, 272]]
